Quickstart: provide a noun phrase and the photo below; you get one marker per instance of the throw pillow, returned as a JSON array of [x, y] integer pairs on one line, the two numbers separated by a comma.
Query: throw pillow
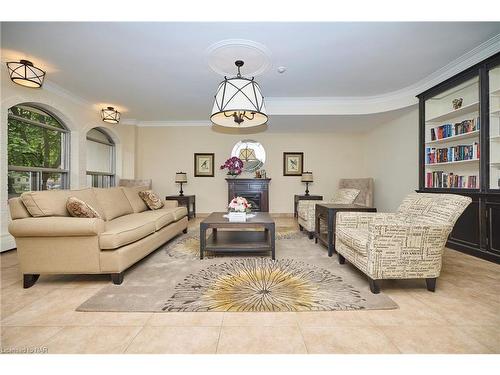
[[78, 208], [152, 200], [345, 196]]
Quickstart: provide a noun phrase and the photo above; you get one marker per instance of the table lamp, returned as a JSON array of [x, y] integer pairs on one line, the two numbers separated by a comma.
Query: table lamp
[[181, 178], [307, 177]]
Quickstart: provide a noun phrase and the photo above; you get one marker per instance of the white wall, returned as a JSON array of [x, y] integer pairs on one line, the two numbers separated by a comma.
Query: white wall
[[79, 117], [391, 158], [162, 151]]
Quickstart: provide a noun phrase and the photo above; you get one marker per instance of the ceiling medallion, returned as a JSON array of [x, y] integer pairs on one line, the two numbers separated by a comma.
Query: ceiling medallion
[[239, 102], [110, 115], [24, 73]]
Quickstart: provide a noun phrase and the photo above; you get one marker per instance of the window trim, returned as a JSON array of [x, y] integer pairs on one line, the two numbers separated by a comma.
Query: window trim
[[110, 143], [65, 145]]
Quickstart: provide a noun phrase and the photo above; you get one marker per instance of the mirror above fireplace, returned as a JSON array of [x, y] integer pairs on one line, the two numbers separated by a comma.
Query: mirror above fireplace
[[251, 152]]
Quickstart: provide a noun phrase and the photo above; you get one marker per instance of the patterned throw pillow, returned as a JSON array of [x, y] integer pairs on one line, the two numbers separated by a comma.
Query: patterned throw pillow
[[345, 196], [152, 200], [78, 208]]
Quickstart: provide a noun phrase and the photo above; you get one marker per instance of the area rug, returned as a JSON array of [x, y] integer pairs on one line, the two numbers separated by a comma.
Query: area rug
[[302, 278]]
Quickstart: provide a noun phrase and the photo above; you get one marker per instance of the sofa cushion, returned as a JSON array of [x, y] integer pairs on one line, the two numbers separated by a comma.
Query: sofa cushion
[[161, 217], [53, 202], [152, 200], [132, 194], [354, 238], [113, 201], [78, 208], [124, 230]]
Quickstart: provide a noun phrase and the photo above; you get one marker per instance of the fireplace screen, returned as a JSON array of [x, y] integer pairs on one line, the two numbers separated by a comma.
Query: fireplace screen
[[253, 199]]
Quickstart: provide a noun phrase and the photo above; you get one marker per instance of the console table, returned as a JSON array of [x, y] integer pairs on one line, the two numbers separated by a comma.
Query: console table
[[327, 213], [303, 197], [188, 201]]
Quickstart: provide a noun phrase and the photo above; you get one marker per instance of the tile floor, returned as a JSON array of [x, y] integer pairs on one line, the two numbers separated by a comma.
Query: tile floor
[[463, 316]]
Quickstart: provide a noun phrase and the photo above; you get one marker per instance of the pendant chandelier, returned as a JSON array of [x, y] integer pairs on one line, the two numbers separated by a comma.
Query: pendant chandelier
[[24, 73], [239, 102], [110, 115]]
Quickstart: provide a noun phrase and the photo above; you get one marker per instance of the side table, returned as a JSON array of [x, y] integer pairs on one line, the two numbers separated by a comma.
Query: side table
[[188, 201], [327, 213], [302, 197]]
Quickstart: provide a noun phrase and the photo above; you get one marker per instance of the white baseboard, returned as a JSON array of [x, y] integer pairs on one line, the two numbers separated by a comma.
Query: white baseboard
[[7, 242]]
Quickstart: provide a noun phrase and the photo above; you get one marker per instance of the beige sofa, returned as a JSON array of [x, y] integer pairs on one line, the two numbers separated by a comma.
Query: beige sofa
[[50, 241]]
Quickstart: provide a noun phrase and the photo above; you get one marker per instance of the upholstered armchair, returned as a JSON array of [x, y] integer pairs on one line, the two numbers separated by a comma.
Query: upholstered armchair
[[407, 244], [351, 190]]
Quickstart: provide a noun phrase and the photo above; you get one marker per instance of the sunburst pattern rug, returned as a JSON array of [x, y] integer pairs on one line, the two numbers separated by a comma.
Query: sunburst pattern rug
[[302, 278]]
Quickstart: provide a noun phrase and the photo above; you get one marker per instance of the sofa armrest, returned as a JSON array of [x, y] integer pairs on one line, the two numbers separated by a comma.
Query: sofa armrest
[[362, 220], [170, 204], [56, 227]]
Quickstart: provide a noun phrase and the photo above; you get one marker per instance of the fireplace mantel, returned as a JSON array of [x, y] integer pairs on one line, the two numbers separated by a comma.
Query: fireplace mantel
[[250, 188]]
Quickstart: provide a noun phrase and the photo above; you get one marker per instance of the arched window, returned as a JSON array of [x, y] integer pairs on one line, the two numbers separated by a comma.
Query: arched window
[[100, 159], [38, 151]]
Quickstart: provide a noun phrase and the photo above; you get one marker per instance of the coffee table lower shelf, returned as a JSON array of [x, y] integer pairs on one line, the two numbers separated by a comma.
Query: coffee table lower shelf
[[239, 241]]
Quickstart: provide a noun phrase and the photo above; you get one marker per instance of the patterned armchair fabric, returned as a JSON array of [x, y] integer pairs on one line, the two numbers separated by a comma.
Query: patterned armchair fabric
[[402, 245], [306, 209], [347, 187]]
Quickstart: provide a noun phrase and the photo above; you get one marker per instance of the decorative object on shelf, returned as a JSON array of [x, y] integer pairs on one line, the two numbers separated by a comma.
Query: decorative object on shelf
[[181, 178], [257, 174], [24, 73], [239, 102], [252, 154], [234, 166], [263, 173], [293, 163], [307, 177], [457, 103], [110, 115], [204, 165]]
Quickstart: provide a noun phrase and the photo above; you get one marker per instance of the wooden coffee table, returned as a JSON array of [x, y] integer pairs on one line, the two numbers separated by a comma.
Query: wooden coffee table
[[236, 237]]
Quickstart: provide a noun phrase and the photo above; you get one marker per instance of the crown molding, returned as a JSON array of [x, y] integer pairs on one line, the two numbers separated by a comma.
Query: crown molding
[[144, 124]]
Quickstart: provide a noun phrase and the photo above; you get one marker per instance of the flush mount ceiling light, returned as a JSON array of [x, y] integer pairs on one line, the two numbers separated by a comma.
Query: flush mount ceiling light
[[24, 73], [110, 115], [239, 102]]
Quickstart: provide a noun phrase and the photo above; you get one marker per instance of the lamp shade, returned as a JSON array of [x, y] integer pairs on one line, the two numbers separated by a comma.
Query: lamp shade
[[24, 73], [307, 177], [239, 103], [110, 115], [181, 177]]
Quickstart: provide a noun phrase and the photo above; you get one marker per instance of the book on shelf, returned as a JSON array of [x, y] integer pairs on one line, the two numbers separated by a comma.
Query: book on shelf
[[451, 154], [452, 130], [441, 179]]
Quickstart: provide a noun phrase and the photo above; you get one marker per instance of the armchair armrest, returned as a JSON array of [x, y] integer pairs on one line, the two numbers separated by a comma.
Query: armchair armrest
[[56, 227], [305, 208], [170, 204], [399, 249], [362, 220]]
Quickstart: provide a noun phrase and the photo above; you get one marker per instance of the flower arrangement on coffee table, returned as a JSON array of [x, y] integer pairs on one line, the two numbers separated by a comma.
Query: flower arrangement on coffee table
[[239, 204], [234, 166]]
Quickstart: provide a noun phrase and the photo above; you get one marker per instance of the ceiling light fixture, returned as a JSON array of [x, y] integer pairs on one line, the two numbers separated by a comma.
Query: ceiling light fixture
[[239, 102], [24, 73], [110, 115]]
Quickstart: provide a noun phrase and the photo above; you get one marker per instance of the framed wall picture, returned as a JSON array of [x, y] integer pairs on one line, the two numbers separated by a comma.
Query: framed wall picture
[[204, 165], [293, 163]]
